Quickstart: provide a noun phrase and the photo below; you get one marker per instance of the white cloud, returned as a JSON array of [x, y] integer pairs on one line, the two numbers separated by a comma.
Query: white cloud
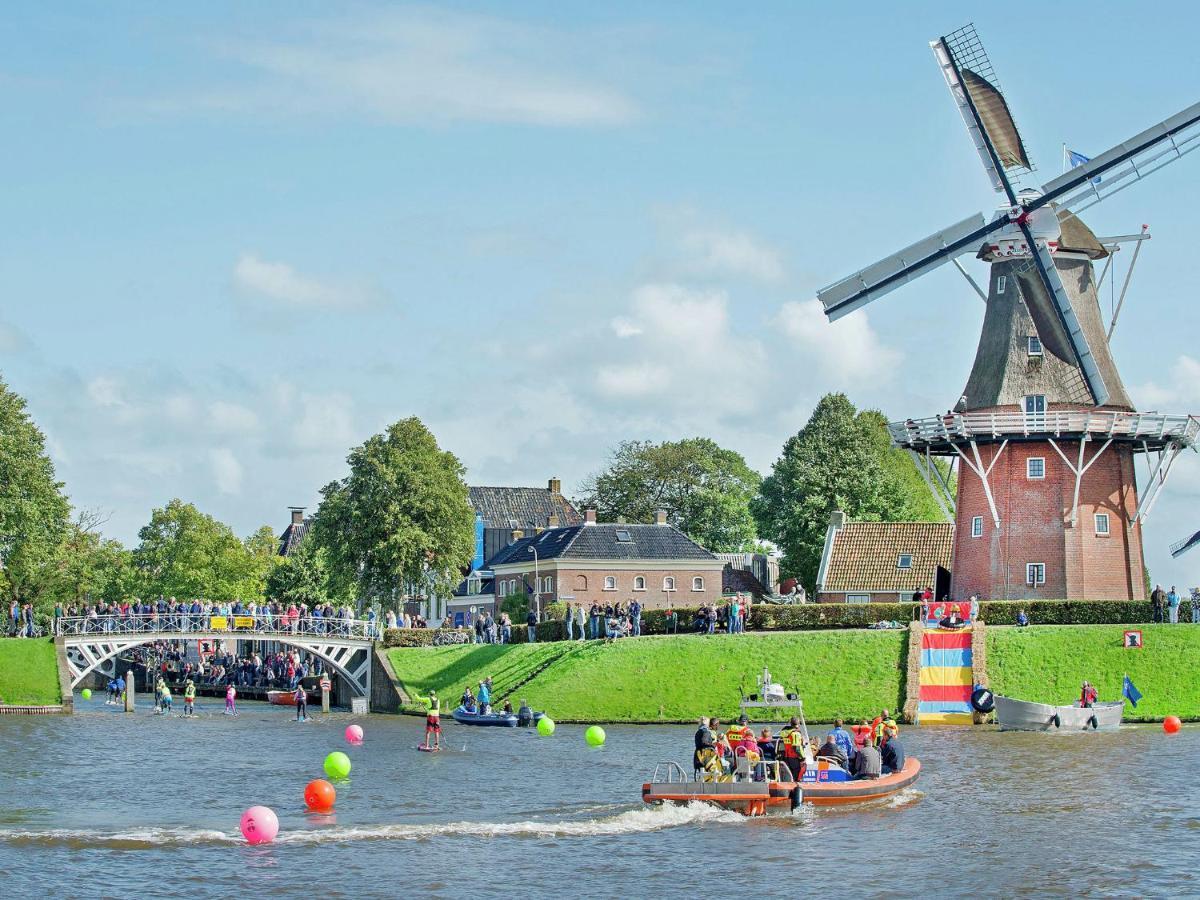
[[279, 282], [226, 417], [719, 252], [849, 347], [420, 65], [624, 328], [325, 423], [1177, 391], [106, 392], [226, 470]]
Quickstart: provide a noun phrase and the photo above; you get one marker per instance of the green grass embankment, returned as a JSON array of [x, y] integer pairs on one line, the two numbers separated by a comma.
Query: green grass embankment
[[671, 679], [1047, 664], [28, 672]]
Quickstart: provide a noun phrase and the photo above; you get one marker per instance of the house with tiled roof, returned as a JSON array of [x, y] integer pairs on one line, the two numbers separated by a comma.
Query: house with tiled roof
[[658, 565], [291, 536], [502, 510], [883, 562]]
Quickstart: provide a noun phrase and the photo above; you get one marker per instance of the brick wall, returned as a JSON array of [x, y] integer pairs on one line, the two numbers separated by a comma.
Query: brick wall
[[587, 585], [1035, 527]]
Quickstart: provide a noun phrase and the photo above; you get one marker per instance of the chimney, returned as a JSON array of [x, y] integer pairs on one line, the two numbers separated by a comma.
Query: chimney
[[555, 486], [620, 520], [517, 534], [589, 517], [552, 521], [837, 519], [660, 517], [297, 515]]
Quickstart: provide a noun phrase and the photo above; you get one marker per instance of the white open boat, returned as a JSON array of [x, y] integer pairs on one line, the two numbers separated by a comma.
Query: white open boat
[[1022, 715]]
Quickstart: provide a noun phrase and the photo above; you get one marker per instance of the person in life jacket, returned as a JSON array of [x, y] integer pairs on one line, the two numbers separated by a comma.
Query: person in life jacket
[[166, 698], [792, 740], [189, 698], [885, 731], [1087, 695], [301, 699], [862, 734], [433, 722]]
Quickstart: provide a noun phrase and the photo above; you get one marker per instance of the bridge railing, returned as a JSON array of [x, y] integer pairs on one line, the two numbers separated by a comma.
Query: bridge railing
[[235, 626]]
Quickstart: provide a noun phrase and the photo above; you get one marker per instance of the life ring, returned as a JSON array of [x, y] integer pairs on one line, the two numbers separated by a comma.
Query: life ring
[[1057, 721], [982, 700]]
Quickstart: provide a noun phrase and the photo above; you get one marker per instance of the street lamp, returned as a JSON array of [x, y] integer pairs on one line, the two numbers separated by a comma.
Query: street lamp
[[537, 584]]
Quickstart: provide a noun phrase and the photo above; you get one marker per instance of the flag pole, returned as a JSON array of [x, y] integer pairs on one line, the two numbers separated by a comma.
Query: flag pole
[[1064, 157]]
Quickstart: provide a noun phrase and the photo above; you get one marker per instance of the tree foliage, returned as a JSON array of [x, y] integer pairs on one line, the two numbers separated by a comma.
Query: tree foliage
[[704, 489], [185, 553], [34, 512], [399, 522], [840, 460], [90, 567], [303, 577]]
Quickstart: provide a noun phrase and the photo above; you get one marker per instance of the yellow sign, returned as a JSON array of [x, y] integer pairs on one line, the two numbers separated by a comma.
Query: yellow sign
[[218, 623], [243, 622]]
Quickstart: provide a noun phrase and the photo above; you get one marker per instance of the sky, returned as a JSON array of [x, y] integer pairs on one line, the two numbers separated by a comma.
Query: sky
[[241, 238]]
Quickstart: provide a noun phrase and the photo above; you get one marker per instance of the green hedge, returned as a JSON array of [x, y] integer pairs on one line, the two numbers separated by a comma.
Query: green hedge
[[1074, 612]]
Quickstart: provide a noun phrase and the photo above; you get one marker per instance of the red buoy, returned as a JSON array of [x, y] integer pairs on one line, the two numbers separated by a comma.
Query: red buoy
[[1171, 724], [319, 796]]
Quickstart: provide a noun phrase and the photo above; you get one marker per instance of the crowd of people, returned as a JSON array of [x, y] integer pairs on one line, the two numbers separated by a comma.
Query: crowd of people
[[21, 621], [283, 669], [868, 750], [169, 614]]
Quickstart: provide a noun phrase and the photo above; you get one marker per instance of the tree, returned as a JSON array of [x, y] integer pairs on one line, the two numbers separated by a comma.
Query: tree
[[90, 567], [303, 577], [186, 553], [704, 489], [837, 461], [399, 522], [34, 512]]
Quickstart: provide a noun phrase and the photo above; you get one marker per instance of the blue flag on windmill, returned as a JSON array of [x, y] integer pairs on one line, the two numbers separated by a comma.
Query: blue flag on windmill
[[1130, 693], [1078, 159]]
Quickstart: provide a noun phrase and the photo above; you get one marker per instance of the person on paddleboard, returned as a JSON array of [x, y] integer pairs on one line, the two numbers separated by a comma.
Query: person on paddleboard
[[301, 698], [433, 722], [231, 701], [189, 698]]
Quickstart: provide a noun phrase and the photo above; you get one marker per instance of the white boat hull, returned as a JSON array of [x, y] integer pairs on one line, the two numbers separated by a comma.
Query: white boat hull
[[1021, 715]]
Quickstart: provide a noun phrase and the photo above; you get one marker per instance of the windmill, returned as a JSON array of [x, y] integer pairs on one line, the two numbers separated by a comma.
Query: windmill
[[1044, 389]]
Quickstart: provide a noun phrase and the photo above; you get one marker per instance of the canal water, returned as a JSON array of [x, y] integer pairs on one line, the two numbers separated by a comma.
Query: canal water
[[107, 804]]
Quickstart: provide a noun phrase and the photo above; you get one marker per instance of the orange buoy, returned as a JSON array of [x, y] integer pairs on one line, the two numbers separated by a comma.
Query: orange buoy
[[1171, 724], [319, 796]]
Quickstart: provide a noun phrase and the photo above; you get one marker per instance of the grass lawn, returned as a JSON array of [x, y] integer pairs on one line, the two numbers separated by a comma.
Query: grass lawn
[[676, 678], [28, 672], [1048, 663]]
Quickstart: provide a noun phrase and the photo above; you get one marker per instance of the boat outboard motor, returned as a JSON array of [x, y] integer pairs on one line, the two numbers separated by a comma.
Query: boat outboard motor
[[524, 716]]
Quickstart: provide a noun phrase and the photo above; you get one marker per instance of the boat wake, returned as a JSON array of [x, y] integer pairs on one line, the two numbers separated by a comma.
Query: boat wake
[[637, 821]]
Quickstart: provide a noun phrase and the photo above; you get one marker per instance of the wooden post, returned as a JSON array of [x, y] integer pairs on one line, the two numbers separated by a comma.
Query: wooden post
[[325, 686], [129, 691]]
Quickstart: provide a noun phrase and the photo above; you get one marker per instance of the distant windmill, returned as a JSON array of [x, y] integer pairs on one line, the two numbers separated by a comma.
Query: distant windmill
[[1043, 384]]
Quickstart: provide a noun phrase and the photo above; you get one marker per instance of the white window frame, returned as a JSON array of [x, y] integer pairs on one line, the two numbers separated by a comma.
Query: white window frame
[[1033, 344], [503, 588], [1035, 574], [1001, 284], [1025, 404], [858, 598], [697, 583], [610, 582], [1106, 530], [900, 561], [669, 583], [977, 526], [639, 582], [1029, 468]]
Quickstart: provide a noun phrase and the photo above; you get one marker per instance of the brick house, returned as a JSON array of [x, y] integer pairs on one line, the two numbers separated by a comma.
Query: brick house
[[657, 565], [883, 562]]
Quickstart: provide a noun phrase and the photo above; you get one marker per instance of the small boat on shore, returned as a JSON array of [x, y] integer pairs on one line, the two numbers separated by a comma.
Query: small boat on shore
[[282, 698], [1023, 715]]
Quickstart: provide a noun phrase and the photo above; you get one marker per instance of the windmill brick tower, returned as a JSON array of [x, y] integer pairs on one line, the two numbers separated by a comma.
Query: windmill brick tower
[[1044, 437]]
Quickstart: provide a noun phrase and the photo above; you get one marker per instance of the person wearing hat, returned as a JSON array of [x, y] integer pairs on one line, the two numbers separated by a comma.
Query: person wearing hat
[[433, 722]]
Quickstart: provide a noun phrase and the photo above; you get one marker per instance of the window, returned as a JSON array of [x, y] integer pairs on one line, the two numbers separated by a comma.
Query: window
[[1035, 467], [504, 589], [624, 537], [1035, 345], [1035, 405], [639, 583], [512, 587], [977, 526], [669, 583], [697, 583], [1102, 524], [610, 582], [547, 585], [862, 598], [1001, 284], [904, 561], [581, 582], [1035, 574]]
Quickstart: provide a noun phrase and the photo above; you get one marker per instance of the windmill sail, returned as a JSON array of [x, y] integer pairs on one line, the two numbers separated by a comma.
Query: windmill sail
[[997, 121]]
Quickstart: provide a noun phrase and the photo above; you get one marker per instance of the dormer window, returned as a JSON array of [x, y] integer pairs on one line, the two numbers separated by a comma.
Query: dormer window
[[904, 561], [1035, 345]]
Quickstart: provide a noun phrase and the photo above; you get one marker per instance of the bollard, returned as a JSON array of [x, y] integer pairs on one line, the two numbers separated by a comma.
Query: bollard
[[325, 686], [129, 691]]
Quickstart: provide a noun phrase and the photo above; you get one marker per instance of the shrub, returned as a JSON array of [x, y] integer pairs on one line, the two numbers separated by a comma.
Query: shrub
[[425, 637]]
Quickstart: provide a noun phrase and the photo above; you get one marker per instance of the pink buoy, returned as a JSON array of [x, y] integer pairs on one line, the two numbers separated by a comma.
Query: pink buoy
[[354, 734], [259, 825]]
